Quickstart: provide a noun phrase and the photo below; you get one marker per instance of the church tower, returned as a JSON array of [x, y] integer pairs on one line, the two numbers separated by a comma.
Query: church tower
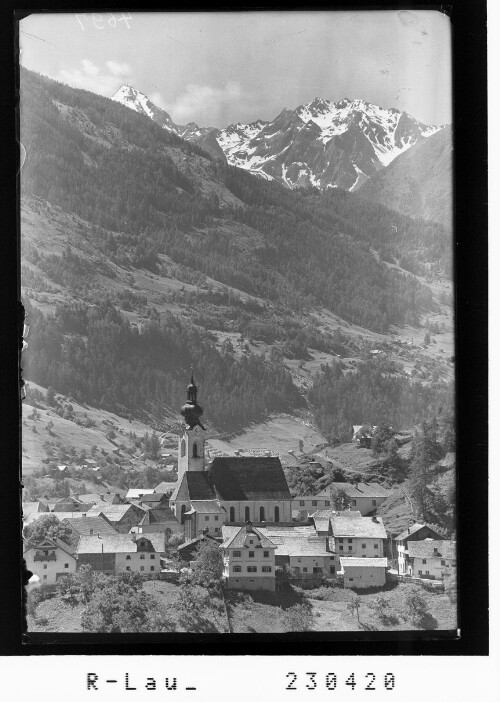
[[192, 438]]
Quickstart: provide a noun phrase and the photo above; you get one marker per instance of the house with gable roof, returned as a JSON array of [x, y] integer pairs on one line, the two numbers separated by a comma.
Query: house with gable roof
[[119, 553], [51, 559], [249, 558], [415, 532], [431, 558], [357, 536]]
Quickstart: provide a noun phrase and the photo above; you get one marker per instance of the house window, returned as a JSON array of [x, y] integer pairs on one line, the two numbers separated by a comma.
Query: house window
[[443, 562], [354, 504], [315, 503], [350, 548], [266, 554], [142, 567], [183, 447], [332, 570], [420, 572], [251, 554], [216, 518], [217, 530], [45, 566], [327, 503], [341, 541], [424, 561], [152, 568], [236, 569], [142, 556], [45, 553], [317, 569], [231, 514], [66, 565], [375, 545], [45, 577], [195, 450], [363, 545], [127, 568], [251, 569], [427, 572], [91, 532], [251, 542], [276, 514], [207, 518], [341, 548], [152, 556], [266, 569], [374, 503], [236, 554], [304, 570], [351, 579], [262, 516], [302, 503], [127, 558], [349, 541], [247, 514]]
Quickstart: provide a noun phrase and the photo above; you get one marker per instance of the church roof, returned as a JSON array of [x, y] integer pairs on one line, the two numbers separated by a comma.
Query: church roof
[[194, 485], [238, 478]]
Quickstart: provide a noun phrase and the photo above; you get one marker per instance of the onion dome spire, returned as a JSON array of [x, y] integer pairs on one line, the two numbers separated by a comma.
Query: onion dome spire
[[192, 411]]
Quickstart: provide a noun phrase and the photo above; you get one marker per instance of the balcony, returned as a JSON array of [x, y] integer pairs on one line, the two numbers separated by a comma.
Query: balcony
[[43, 557]]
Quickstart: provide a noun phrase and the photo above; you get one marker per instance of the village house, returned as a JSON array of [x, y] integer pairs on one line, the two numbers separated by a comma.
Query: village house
[[159, 521], [431, 558], [363, 497], [119, 553], [356, 536], [187, 550], [361, 573], [50, 560], [137, 493], [88, 526], [95, 498], [311, 503], [121, 517], [154, 499], [166, 487], [416, 532], [303, 550], [249, 562], [362, 435], [204, 515]]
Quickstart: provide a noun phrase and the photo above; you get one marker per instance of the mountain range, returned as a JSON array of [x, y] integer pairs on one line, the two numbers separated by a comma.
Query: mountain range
[[323, 144]]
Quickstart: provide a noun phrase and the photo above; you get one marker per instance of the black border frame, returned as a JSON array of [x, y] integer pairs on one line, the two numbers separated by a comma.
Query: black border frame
[[468, 19]]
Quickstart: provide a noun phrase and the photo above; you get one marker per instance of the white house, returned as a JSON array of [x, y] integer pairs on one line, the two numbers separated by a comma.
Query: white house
[[248, 558], [119, 553], [302, 549], [356, 536], [361, 573], [312, 503], [416, 532], [51, 559], [363, 497], [431, 558]]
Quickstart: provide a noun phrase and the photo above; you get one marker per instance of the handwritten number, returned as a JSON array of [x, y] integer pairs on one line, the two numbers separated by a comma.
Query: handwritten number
[[80, 22], [112, 21], [96, 19], [125, 18], [291, 683]]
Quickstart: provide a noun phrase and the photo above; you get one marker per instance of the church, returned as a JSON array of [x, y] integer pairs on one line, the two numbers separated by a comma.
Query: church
[[230, 489]]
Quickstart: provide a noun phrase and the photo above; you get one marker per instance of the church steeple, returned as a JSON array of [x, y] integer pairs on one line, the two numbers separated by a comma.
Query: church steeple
[[192, 411]]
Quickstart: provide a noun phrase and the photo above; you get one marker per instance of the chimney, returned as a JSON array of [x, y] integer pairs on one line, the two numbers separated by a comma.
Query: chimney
[[249, 526]]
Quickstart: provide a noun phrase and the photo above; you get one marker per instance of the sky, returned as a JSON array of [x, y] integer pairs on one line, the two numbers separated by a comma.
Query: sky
[[220, 68]]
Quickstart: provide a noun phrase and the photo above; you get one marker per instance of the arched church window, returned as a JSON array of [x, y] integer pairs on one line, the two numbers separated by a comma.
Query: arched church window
[[247, 514], [276, 514], [262, 515], [195, 450], [183, 447], [231, 514]]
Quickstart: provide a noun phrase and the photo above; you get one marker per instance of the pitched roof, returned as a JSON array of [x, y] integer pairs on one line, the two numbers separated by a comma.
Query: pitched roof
[[238, 538], [249, 478], [363, 527], [154, 497], [372, 490], [118, 543], [207, 507], [194, 485], [56, 542], [88, 525], [34, 507], [297, 543], [165, 487], [426, 549], [413, 530], [134, 493], [363, 562], [112, 512], [156, 515]]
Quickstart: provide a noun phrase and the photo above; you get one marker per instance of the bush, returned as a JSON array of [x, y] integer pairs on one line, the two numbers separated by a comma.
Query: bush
[[298, 618]]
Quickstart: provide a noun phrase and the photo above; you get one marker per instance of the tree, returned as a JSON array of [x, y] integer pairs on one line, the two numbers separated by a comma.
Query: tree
[[47, 526], [339, 498], [208, 565], [383, 609], [426, 450], [415, 608], [427, 339], [354, 605], [51, 395], [298, 618], [381, 438]]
